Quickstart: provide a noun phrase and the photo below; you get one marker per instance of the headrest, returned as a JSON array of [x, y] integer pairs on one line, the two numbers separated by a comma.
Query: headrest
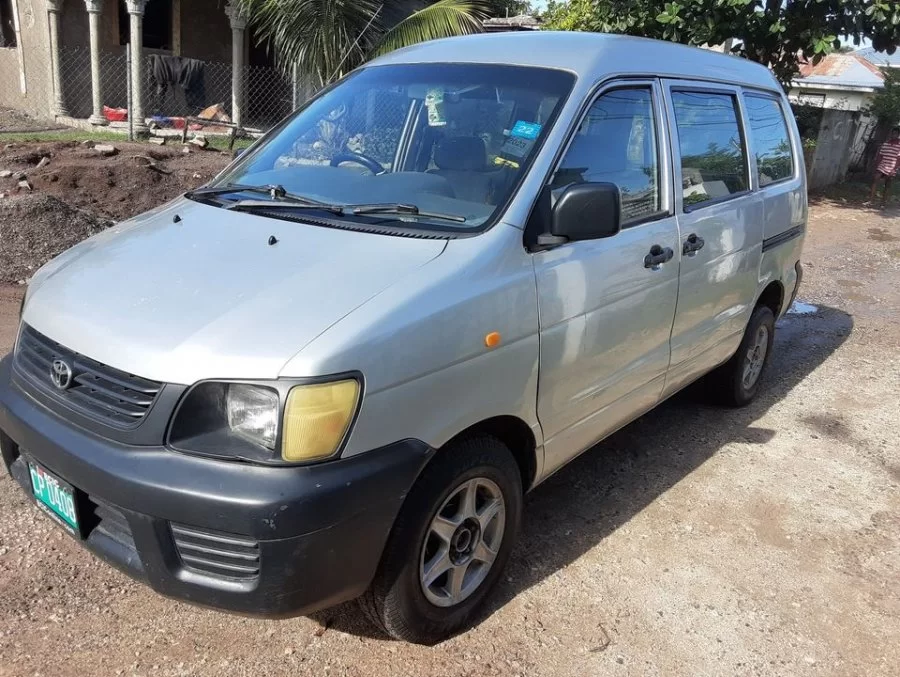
[[461, 153]]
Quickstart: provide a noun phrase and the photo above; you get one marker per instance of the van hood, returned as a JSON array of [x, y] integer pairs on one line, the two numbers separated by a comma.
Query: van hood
[[208, 296]]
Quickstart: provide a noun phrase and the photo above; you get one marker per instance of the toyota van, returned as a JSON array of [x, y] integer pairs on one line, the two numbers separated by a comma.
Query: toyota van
[[334, 371]]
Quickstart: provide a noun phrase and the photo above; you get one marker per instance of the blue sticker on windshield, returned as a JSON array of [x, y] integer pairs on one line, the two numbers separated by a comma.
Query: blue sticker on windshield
[[526, 130]]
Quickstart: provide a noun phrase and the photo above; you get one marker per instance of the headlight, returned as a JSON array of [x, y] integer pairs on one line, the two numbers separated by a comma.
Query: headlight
[[316, 419], [267, 421]]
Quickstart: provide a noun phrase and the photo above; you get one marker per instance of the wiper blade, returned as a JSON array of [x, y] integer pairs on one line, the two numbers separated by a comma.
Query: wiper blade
[[275, 192], [348, 210], [250, 205], [401, 208]]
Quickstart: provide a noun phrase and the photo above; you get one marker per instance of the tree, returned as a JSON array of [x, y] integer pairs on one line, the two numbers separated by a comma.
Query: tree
[[327, 38], [886, 104], [773, 32], [502, 8]]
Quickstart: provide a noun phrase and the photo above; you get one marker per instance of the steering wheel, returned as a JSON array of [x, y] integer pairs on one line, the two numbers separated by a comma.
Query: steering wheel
[[371, 164]]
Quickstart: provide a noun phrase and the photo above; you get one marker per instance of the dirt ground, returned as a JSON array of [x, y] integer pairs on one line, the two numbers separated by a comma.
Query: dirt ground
[[12, 120], [73, 191], [696, 541]]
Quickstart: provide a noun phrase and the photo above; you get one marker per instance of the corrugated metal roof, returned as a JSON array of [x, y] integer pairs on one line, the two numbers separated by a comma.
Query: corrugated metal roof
[[882, 59], [841, 70]]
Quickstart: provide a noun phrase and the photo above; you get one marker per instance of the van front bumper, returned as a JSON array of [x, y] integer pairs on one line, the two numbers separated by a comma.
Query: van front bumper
[[196, 529]]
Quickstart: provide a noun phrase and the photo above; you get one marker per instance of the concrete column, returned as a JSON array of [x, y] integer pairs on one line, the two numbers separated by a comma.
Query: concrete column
[[95, 9], [54, 9], [238, 33], [136, 15]]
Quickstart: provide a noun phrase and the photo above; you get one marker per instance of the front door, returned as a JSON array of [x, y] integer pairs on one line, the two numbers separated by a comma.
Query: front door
[[606, 311], [721, 223]]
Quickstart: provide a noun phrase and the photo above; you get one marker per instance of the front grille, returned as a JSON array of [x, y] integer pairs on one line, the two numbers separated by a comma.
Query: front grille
[[114, 397], [216, 554]]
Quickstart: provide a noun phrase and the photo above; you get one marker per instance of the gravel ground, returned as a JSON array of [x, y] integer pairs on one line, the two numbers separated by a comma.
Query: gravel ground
[[696, 541]]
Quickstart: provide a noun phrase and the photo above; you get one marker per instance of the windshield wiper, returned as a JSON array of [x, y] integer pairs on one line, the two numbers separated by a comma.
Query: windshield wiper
[[350, 210], [274, 191], [401, 208]]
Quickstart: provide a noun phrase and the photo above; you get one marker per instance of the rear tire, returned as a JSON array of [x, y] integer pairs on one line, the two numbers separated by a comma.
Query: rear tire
[[464, 510], [736, 383]]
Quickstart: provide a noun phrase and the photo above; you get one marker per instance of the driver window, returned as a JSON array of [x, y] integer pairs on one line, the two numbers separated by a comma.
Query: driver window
[[616, 143], [369, 125]]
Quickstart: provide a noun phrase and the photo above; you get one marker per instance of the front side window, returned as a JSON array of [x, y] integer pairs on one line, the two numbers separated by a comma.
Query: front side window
[[451, 140], [769, 139], [616, 143], [713, 160]]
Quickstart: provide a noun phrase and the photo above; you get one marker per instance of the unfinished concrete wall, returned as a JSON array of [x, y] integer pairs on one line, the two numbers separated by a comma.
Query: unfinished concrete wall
[[25, 81], [833, 147]]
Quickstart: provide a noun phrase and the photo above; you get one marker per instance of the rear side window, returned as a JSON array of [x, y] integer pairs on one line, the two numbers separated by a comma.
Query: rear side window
[[616, 143], [713, 158], [769, 139]]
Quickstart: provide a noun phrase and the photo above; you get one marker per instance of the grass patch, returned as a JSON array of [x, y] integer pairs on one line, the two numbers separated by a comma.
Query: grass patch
[[217, 142], [61, 135]]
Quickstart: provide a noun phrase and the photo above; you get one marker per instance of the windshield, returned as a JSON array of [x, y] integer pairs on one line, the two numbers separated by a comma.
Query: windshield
[[451, 140]]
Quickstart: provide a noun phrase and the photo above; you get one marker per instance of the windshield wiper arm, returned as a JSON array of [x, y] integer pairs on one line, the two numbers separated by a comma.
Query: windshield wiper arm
[[348, 210], [276, 192], [400, 208]]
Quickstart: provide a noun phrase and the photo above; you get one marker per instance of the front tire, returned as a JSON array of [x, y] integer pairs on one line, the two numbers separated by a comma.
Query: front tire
[[736, 383], [449, 544]]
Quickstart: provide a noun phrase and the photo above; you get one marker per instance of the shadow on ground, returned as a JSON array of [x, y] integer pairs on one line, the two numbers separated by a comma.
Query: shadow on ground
[[604, 488], [855, 195]]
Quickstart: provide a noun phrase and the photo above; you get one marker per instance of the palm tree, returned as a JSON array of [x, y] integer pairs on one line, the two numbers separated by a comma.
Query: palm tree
[[325, 39]]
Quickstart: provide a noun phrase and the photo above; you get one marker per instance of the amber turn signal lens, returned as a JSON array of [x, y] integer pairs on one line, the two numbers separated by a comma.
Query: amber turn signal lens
[[316, 419], [492, 340]]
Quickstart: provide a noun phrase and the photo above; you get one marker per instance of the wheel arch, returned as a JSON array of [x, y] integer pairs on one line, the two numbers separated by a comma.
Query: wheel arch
[[772, 297], [515, 434]]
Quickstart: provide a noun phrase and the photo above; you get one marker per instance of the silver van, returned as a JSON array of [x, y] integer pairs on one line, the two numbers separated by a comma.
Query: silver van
[[334, 371]]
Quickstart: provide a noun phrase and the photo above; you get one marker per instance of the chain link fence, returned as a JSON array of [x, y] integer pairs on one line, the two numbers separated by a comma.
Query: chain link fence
[[172, 89]]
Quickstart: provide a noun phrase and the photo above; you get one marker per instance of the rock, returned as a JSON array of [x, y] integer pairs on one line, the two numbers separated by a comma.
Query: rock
[[186, 149], [5, 174], [199, 141], [19, 176], [44, 162], [87, 143], [198, 176], [157, 140], [25, 184], [106, 150]]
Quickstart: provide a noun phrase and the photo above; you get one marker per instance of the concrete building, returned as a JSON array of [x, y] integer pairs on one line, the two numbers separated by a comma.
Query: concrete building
[[839, 89], [839, 81], [64, 59]]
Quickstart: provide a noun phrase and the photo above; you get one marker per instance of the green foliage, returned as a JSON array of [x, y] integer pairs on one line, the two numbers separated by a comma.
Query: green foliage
[[772, 32], [886, 104], [500, 8], [809, 119], [328, 38]]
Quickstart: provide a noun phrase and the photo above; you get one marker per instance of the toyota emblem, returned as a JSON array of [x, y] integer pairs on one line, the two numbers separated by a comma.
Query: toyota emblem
[[61, 373]]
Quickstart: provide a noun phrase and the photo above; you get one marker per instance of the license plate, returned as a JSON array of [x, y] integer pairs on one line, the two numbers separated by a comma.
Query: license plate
[[56, 497]]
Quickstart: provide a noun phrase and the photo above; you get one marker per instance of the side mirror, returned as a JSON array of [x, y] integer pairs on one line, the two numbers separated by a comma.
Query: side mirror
[[586, 211]]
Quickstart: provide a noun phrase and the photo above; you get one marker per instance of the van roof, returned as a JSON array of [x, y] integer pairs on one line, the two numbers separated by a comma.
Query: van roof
[[590, 55]]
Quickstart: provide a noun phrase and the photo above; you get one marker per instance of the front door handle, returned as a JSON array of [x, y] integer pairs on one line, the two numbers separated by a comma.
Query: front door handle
[[658, 256], [692, 245]]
